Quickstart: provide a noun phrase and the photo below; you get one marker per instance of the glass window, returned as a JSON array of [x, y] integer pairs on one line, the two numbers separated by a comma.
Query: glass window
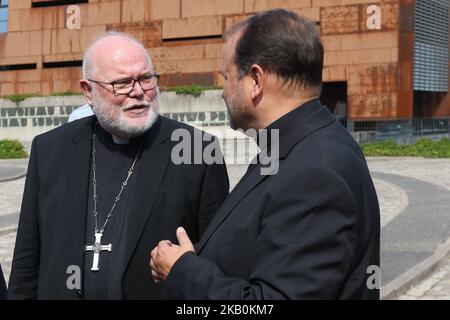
[[3, 15]]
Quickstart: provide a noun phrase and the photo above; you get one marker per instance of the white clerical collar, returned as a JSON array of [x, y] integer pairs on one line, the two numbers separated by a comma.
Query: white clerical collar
[[118, 140]]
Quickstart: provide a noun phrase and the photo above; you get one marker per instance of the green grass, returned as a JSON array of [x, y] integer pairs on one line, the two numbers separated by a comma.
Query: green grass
[[422, 148], [194, 90], [12, 149]]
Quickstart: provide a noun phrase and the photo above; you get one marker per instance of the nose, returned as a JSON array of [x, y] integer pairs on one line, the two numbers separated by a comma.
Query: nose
[[137, 91]]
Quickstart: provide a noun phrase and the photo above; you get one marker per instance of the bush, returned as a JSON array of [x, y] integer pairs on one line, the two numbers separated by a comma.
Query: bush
[[422, 148], [192, 90], [20, 97], [12, 149], [65, 93]]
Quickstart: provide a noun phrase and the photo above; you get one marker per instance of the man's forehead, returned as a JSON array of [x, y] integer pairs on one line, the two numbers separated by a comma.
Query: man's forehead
[[130, 70], [115, 41], [116, 70], [121, 60], [117, 48], [119, 53]]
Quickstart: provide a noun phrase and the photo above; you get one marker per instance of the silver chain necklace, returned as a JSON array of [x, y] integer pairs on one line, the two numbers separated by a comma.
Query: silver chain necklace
[[97, 246]]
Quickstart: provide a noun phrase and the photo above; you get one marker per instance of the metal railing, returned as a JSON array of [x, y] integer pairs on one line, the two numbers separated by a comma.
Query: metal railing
[[401, 131]]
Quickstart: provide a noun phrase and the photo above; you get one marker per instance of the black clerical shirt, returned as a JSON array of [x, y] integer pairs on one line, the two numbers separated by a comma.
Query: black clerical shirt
[[112, 164]]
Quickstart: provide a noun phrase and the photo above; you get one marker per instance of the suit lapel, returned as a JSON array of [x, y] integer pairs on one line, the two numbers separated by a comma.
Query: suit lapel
[[78, 155], [152, 168], [310, 117]]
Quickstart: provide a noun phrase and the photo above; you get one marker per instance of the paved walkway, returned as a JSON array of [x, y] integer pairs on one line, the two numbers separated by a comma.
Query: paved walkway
[[414, 195], [12, 169], [416, 233], [10, 200], [435, 287], [423, 226]]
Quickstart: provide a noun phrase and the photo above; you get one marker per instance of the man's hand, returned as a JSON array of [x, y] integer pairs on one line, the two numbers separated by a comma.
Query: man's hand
[[166, 254]]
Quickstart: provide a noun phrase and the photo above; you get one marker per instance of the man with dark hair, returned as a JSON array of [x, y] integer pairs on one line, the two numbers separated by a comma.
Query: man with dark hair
[[102, 191], [309, 231]]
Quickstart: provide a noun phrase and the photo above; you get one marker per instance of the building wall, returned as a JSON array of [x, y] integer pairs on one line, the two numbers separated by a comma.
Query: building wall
[[184, 38]]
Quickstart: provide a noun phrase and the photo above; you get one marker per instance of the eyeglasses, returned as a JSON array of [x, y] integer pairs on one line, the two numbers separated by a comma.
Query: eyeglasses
[[125, 86]]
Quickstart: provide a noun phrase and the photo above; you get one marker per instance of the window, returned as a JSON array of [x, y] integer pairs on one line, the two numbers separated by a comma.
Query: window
[[3, 15], [431, 46]]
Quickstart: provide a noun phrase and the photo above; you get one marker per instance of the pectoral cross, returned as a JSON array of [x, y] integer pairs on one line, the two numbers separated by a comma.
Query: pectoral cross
[[97, 247]]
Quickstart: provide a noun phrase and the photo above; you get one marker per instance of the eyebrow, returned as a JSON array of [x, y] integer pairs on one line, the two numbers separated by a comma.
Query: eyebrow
[[143, 75]]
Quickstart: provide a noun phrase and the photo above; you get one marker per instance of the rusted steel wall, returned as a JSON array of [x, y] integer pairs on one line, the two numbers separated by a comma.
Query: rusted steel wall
[[184, 38]]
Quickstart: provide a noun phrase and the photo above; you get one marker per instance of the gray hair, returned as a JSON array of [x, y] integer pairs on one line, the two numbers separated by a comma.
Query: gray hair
[[87, 64]]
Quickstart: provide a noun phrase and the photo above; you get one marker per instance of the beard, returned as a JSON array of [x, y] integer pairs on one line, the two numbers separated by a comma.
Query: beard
[[113, 119], [235, 108]]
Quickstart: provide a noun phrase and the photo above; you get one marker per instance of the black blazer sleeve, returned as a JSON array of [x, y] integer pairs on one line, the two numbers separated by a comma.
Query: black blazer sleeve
[[25, 265], [304, 248]]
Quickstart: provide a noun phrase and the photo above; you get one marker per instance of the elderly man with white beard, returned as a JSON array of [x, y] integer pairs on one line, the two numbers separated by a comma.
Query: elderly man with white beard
[[101, 191]]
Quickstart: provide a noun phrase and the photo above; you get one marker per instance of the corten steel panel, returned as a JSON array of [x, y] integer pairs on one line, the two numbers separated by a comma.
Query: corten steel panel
[[149, 33], [135, 11], [193, 41], [165, 9], [390, 11], [214, 50], [338, 20], [405, 57], [252, 6], [311, 13], [372, 79], [192, 27], [178, 53], [199, 65], [21, 4], [198, 8], [179, 79], [373, 106]]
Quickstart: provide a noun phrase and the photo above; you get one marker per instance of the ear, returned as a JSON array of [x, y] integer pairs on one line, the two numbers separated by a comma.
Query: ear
[[258, 81], [87, 91]]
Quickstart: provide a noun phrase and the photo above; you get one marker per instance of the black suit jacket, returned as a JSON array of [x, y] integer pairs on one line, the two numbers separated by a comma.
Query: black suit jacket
[[308, 232], [52, 224]]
